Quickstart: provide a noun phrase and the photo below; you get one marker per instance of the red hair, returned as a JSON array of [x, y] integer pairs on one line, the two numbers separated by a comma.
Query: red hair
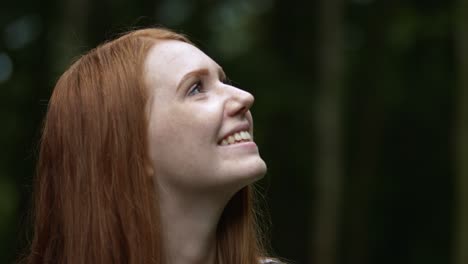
[[94, 200]]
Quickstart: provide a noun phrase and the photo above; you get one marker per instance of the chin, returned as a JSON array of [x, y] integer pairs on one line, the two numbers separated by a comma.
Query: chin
[[260, 170], [252, 172]]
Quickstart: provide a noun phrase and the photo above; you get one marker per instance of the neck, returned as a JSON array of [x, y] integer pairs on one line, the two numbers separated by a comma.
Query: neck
[[188, 226]]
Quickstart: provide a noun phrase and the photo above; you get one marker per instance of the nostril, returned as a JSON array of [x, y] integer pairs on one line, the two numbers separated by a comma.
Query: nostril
[[238, 110], [243, 110]]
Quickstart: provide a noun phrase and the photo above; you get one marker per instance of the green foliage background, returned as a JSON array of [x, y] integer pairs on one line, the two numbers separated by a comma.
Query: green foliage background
[[399, 107]]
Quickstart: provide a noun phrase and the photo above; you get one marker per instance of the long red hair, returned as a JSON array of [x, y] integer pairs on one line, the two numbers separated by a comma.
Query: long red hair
[[94, 200]]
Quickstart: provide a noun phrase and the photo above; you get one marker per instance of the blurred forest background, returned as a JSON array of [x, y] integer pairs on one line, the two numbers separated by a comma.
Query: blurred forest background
[[361, 113]]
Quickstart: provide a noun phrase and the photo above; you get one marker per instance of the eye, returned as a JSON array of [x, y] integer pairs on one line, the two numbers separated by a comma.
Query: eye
[[195, 89]]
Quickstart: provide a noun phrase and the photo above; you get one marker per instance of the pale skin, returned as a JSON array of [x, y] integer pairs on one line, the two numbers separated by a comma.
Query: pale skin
[[191, 111]]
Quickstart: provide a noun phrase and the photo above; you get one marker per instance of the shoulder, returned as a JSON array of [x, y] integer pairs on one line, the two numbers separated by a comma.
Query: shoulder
[[270, 261]]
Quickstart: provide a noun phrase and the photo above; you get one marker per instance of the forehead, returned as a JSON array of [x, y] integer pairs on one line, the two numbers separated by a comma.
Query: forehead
[[169, 60]]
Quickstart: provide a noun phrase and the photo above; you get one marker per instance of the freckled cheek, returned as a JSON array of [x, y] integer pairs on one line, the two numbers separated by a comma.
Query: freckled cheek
[[188, 127], [161, 133], [178, 133]]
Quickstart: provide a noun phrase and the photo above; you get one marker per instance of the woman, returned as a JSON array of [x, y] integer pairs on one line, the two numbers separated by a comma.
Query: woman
[[147, 156]]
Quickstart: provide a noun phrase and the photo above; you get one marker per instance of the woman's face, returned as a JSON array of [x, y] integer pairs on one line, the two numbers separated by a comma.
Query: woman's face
[[200, 128]]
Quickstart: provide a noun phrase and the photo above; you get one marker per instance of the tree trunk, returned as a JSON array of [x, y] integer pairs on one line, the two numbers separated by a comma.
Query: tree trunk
[[461, 146], [328, 132], [367, 140]]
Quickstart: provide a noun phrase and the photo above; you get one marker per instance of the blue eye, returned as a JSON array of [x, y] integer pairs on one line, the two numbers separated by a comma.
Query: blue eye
[[196, 89]]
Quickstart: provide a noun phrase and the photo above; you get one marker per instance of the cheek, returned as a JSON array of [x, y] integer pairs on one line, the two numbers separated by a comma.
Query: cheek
[[180, 144], [166, 139], [180, 162], [183, 144]]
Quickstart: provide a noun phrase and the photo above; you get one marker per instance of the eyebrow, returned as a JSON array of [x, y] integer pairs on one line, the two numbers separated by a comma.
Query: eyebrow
[[199, 72]]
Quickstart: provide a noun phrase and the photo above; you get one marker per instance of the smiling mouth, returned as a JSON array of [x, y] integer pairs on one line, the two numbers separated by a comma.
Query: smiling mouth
[[238, 137]]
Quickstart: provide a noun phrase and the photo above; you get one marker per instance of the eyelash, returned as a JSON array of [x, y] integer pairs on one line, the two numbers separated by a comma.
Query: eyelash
[[199, 86]]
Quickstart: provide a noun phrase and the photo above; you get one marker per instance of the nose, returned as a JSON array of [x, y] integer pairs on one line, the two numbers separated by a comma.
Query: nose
[[239, 102]]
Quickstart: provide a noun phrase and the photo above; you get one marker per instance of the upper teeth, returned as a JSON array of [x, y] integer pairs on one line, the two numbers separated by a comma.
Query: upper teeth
[[236, 137]]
